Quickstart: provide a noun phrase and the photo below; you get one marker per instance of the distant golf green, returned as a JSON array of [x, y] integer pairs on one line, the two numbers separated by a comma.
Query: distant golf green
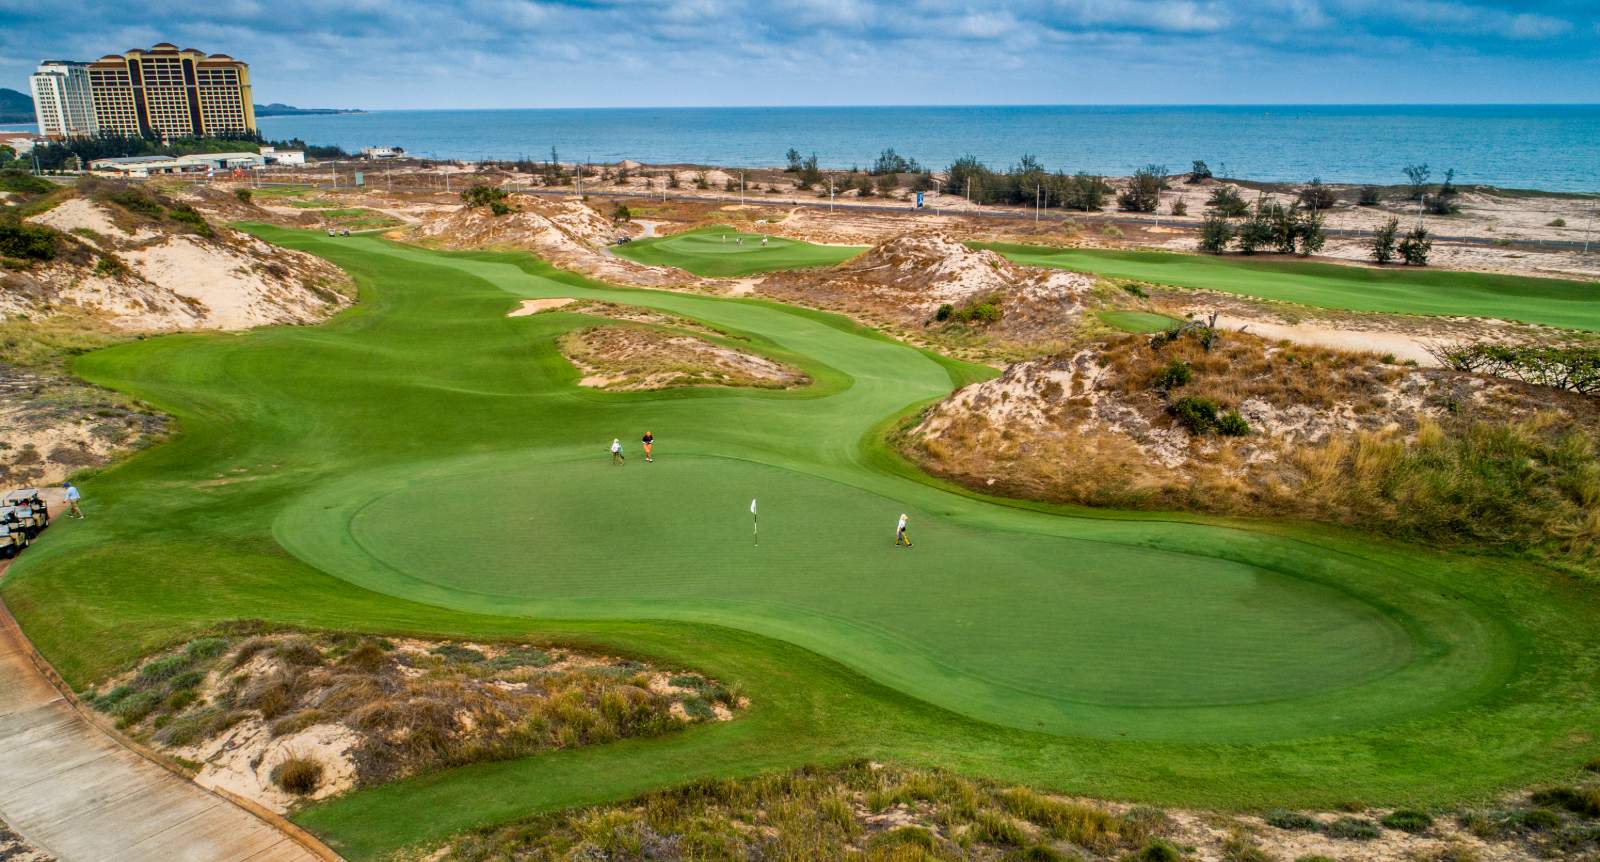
[[719, 251], [1398, 290], [1137, 321], [425, 464]]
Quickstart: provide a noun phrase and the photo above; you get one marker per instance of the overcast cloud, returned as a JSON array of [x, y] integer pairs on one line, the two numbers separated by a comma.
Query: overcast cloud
[[520, 53]]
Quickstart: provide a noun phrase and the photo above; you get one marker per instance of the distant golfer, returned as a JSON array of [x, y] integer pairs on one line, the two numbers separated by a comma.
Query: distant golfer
[[900, 537], [616, 451], [649, 441], [72, 500], [763, 241]]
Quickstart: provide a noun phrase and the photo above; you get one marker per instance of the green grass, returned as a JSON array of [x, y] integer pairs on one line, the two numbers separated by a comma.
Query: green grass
[[425, 465], [1138, 321], [715, 252], [1546, 301]]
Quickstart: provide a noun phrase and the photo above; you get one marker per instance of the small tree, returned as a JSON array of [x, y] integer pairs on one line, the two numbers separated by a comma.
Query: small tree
[[810, 174], [1316, 196], [1312, 236], [672, 180], [700, 181], [864, 186], [1215, 233], [1383, 242], [1417, 178], [1180, 207], [1085, 192], [1198, 172], [1416, 245], [1368, 196], [794, 160], [1258, 230], [731, 185], [1226, 201], [1143, 193], [243, 195], [922, 182], [622, 213], [486, 196], [887, 184]]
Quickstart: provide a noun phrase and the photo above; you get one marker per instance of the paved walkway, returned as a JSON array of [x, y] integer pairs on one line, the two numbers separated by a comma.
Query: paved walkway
[[71, 790]]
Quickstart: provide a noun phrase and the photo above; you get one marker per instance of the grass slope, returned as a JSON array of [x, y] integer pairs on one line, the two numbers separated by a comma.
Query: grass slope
[[715, 252], [1546, 301], [424, 464]]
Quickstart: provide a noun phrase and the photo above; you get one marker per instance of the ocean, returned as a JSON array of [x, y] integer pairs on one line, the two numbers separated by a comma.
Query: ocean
[[1551, 147]]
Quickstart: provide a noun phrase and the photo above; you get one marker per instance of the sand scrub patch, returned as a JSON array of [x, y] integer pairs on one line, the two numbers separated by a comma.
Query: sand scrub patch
[[283, 717], [626, 358], [534, 306]]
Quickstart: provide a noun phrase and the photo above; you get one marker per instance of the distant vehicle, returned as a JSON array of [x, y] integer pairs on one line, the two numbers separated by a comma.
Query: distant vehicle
[[622, 240]]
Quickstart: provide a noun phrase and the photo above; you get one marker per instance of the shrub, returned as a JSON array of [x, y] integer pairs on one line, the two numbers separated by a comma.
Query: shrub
[[944, 312], [1143, 193], [1196, 414], [367, 656], [26, 241], [186, 680], [1199, 172], [133, 708], [1369, 196], [1408, 820], [188, 215], [1585, 802], [1284, 819], [1174, 374], [298, 774], [1179, 207], [1085, 192], [481, 195], [167, 667], [1226, 200], [458, 653], [992, 828], [136, 201], [1383, 242], [1417, 180], [1557, 222], [1352, 829], [299, 651], [1316, 196], [179, 699], [206, 648], [110, 266], [1231, 424], [25, 183], [1216, 231], [1239, 848], [1416, 245], [622, 213], [243, 195], [1159, 850]]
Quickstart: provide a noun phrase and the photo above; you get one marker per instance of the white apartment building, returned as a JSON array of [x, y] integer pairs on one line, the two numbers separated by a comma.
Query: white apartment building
[[275, 156], [62, 102]]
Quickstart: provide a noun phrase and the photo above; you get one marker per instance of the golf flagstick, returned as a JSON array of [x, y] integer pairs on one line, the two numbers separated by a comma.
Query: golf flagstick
[[755, 522]]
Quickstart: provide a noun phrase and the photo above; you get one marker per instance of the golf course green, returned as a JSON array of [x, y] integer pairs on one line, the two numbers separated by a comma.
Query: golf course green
[[719, 251], [425, 464], [1396, 290]]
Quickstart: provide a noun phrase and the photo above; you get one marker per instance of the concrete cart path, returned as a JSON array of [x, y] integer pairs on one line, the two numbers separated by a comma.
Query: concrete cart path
[[72, 791]]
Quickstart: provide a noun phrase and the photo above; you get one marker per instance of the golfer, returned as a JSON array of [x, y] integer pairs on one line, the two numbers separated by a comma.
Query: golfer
[[616, 451], [72, 500], [649, 441], [900, 536]]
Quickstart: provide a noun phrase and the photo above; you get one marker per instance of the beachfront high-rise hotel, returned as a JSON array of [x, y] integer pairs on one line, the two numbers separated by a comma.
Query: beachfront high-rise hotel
[[162, 92], [61, 100]]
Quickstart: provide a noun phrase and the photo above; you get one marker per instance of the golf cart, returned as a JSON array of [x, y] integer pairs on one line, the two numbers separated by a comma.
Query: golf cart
[[12, 538], [30, 510]]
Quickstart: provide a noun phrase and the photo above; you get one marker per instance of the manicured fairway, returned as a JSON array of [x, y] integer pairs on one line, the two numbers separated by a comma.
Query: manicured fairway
[[426, 464], [1547, 301], [715, 252]]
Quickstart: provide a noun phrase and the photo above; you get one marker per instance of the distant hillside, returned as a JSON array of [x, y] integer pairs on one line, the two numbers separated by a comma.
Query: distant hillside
[[15, 107], [279, 109]]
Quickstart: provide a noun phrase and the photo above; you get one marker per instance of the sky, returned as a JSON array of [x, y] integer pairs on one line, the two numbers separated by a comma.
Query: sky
[[385, 54]]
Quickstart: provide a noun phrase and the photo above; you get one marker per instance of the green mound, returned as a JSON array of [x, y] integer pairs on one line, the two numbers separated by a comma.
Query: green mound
[[1546, 301], [1138, 321], [724, 252], [426, 464]]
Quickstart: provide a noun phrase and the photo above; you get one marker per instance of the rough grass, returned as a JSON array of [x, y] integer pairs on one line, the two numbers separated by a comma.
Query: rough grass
[[860, 811], [298, 774]]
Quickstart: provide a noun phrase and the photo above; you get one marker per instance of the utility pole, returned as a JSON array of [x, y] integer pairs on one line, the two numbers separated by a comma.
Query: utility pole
[[1036, 205], [830, 194], [741, 188]]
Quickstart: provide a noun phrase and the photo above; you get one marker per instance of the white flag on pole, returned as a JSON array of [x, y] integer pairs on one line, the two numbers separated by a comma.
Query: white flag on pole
[[752, 506]]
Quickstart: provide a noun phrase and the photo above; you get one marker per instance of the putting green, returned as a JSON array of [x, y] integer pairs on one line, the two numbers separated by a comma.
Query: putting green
[[1400, 290], [426, 464], [719, 251]]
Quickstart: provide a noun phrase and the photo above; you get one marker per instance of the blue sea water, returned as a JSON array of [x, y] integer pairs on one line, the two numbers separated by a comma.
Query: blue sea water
[[1553, 147]]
